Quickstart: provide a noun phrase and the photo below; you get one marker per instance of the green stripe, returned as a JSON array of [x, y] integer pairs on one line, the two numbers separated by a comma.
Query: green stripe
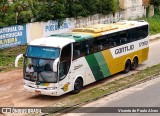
[[102, 63], [93, 64], [76, 36], [81, 37]]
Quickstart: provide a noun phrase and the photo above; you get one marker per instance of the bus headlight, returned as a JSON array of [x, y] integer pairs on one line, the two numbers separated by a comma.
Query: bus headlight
[[52, 88]]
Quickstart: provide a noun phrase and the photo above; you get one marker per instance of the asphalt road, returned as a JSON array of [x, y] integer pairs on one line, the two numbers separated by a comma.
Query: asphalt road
[[143, 95], [154, 55]]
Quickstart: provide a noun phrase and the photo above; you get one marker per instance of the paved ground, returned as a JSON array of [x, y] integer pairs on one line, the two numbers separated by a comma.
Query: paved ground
[[143, 95]]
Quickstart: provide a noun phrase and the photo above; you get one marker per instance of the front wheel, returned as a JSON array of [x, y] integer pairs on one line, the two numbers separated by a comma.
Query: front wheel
[[77, 86]]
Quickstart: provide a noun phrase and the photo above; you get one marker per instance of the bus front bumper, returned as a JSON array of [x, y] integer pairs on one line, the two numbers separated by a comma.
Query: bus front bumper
[[41, 91]]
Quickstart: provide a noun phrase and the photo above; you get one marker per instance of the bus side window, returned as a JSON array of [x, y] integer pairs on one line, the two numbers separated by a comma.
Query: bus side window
[[91, 47], [143, 32], [133, 34], [102, 43], [78, 50], [123, 38], [113, 40]]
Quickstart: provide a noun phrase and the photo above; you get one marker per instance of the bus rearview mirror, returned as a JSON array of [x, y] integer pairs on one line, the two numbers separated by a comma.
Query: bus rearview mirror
[[17, 59]]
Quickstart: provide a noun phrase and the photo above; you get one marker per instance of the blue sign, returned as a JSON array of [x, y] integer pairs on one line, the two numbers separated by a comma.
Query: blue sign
[[13, 36]]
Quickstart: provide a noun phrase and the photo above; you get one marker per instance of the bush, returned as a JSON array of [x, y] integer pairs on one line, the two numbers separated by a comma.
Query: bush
[[154, 23]]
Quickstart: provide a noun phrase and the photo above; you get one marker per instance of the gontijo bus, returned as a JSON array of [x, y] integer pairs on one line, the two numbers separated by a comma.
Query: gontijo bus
[[66, 62]]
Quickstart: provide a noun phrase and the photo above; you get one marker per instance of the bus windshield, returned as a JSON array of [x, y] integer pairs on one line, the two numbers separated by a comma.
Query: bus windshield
[[42, 52], [39, 64], [40, 70]]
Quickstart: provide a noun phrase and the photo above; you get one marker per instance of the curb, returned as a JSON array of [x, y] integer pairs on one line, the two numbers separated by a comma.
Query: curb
[[154, 37]]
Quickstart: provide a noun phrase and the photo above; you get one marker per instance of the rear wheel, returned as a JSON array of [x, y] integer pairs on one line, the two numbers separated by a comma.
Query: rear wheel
[[127, 66], [134, 64], [77, 86]]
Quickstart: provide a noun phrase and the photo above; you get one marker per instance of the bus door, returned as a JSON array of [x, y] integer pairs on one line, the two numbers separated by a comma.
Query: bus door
[[64, 70]]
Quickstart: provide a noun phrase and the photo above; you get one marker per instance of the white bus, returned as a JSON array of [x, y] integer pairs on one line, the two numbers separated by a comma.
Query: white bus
[[66, 62]]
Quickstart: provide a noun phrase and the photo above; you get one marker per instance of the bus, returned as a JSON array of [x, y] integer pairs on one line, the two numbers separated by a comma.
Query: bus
[[66, 62]]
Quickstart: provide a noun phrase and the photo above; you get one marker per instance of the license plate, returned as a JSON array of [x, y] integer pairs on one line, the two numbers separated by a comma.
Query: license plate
[[37, 92]]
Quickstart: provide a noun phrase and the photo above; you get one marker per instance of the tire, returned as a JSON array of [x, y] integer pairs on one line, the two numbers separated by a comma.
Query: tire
[[77, 86], [127, 66], [134, 64]]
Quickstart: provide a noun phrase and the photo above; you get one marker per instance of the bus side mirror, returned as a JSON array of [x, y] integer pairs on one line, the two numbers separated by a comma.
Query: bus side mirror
[[17, 59], [55, 65]]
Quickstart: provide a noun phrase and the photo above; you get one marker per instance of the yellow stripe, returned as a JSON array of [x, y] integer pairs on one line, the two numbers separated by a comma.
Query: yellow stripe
[[92, 34], [117, 64]]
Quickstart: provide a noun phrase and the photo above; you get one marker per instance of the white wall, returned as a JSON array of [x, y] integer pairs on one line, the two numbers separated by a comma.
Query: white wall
[[42, 29]]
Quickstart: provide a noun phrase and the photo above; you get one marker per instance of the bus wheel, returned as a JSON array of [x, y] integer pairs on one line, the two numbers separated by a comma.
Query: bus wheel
[[77, 86], [134, 64], [127, 66]]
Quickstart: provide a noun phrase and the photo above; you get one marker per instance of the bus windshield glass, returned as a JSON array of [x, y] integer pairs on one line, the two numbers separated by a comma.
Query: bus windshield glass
[[42, 52], [40, 70]]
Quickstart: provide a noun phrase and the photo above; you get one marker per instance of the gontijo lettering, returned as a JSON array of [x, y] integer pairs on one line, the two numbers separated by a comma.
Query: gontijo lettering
[[124, 49]]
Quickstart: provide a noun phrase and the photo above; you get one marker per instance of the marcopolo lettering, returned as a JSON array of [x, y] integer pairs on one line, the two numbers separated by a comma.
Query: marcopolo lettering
[[124, 49]]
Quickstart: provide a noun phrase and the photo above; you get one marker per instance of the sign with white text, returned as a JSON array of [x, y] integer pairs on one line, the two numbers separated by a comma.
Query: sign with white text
[[12, 36]]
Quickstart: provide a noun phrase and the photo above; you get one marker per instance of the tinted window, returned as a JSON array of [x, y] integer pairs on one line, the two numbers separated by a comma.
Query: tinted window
[[78, 50], [143, 32], [113, 40], [102, 43], [90, 46], [65, 61], [133, 34], [123, 38], [42, 52]]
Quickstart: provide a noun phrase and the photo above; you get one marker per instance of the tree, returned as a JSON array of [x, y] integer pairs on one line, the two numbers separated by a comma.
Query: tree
[[7, 16], [22, 11], [25, 11], [155, 2]]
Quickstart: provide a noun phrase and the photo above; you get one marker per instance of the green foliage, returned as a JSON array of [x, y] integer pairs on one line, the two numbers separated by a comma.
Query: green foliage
[[25, 11], [154, 23], [155, 2], [7, 57], [112, 6]]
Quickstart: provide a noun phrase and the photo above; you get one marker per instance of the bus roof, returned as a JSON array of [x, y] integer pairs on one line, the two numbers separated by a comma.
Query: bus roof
[[57, 42], [86, 33]]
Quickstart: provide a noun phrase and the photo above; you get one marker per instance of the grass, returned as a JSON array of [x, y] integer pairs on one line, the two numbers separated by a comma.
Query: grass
[[154, 23], [108, 88], [7, 57]]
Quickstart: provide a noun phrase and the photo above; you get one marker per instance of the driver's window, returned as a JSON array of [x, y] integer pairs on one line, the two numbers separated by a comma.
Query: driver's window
[[65, 61], [29, 67]]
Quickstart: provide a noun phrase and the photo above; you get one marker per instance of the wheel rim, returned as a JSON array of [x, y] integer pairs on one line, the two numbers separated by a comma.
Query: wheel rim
[[77, 85]]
